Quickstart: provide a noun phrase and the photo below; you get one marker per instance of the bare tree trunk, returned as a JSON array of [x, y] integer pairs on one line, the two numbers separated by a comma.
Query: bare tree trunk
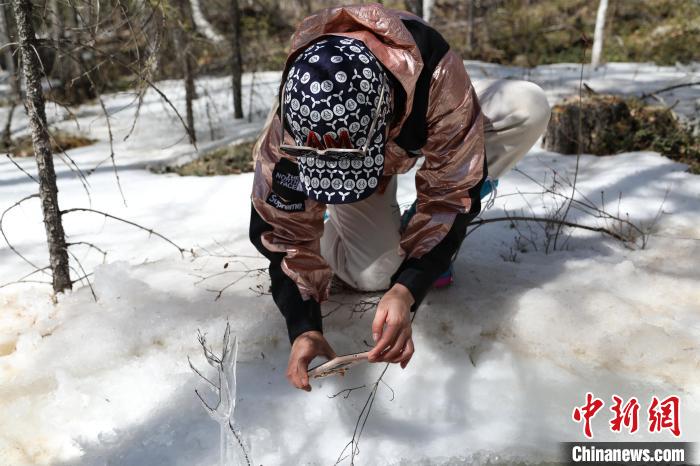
[[56, 31], [156, 30], [415, 7], [6, 138], [236, 60], [203, 25], [427, 8], [184, 46], [470, 25], [482, 12], [190, 93], [5, 39], [34, 105], [73, 66], [599, 34]]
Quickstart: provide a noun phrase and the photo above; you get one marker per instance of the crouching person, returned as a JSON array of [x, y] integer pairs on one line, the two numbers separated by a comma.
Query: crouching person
[[367, 91]]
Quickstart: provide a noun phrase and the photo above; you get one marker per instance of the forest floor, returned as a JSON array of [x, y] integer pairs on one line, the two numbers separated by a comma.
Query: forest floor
[[502, 357]]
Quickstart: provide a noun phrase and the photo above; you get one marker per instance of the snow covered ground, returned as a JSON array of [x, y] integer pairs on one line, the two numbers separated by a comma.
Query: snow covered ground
[[502, 357]]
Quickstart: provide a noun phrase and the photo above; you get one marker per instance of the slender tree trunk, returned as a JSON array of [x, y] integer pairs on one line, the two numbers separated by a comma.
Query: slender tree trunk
[[56, 31], [236, 60], [6, 137], [427, 8], [482, 11], [470, 25], [76, 73], [5, 39], [155, 30], [415, 7], [184, 45], [203, 25], [599, 34], [190, 93], [34, 105]]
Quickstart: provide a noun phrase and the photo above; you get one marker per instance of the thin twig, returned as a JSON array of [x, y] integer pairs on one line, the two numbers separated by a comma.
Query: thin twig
[[85, 274], [114, 217], [21, 169], [201, 375], [10, 245], [669, 88], [347, 392], [23, 279], [550, 220], [111, 149], [353, 444], [580, 145], [240, 443], [90, 245]]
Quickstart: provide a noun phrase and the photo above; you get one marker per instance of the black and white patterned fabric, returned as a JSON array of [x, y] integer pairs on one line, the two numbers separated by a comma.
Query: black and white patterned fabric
[[334, 86]]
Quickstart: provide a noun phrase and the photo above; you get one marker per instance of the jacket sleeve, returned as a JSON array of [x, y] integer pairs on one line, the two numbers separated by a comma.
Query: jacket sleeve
[[449, 182], [286, 228]]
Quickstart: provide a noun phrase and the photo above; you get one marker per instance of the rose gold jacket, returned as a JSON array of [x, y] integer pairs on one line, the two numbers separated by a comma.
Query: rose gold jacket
[[454, 152]]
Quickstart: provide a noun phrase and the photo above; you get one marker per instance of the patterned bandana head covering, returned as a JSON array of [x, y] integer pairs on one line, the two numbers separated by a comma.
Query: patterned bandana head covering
[[330, 97]]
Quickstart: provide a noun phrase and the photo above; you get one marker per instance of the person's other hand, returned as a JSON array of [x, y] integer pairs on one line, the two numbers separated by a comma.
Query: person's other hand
[[391, 328], [305, 348]]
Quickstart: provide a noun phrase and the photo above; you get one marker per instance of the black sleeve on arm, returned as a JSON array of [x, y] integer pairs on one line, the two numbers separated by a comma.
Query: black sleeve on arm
[[418, 275], [301, 316]]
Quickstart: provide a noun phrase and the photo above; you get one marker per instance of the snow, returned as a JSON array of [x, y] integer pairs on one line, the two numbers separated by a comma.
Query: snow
[[502, 357], [631, 79]]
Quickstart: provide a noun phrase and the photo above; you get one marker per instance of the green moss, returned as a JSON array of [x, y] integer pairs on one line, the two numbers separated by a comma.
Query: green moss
[[613, 124], [658, 129]]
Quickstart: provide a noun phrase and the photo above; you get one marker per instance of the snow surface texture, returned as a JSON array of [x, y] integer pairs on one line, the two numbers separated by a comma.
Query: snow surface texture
[[107, 382]]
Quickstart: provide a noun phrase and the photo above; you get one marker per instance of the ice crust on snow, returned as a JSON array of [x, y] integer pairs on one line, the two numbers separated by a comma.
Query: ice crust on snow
[[502, 356]]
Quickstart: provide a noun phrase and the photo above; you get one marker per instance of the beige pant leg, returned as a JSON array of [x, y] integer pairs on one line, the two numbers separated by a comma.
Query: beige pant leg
[[360, 240], [518, 112]]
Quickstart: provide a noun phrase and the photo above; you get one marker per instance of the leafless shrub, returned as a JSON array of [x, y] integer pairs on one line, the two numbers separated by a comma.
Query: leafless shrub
[[224, 387]]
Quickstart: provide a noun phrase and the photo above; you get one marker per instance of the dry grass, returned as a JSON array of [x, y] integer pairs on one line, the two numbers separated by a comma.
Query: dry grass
[[60, 141], [534, 32], [230, 160]]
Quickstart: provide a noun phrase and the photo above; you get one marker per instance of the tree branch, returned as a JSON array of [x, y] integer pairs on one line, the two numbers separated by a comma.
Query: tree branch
[[10, 245], [669, 88], [128, 222]]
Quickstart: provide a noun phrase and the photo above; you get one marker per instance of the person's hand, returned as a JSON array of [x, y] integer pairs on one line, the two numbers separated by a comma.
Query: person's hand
[[305, 348], [393, 341]]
